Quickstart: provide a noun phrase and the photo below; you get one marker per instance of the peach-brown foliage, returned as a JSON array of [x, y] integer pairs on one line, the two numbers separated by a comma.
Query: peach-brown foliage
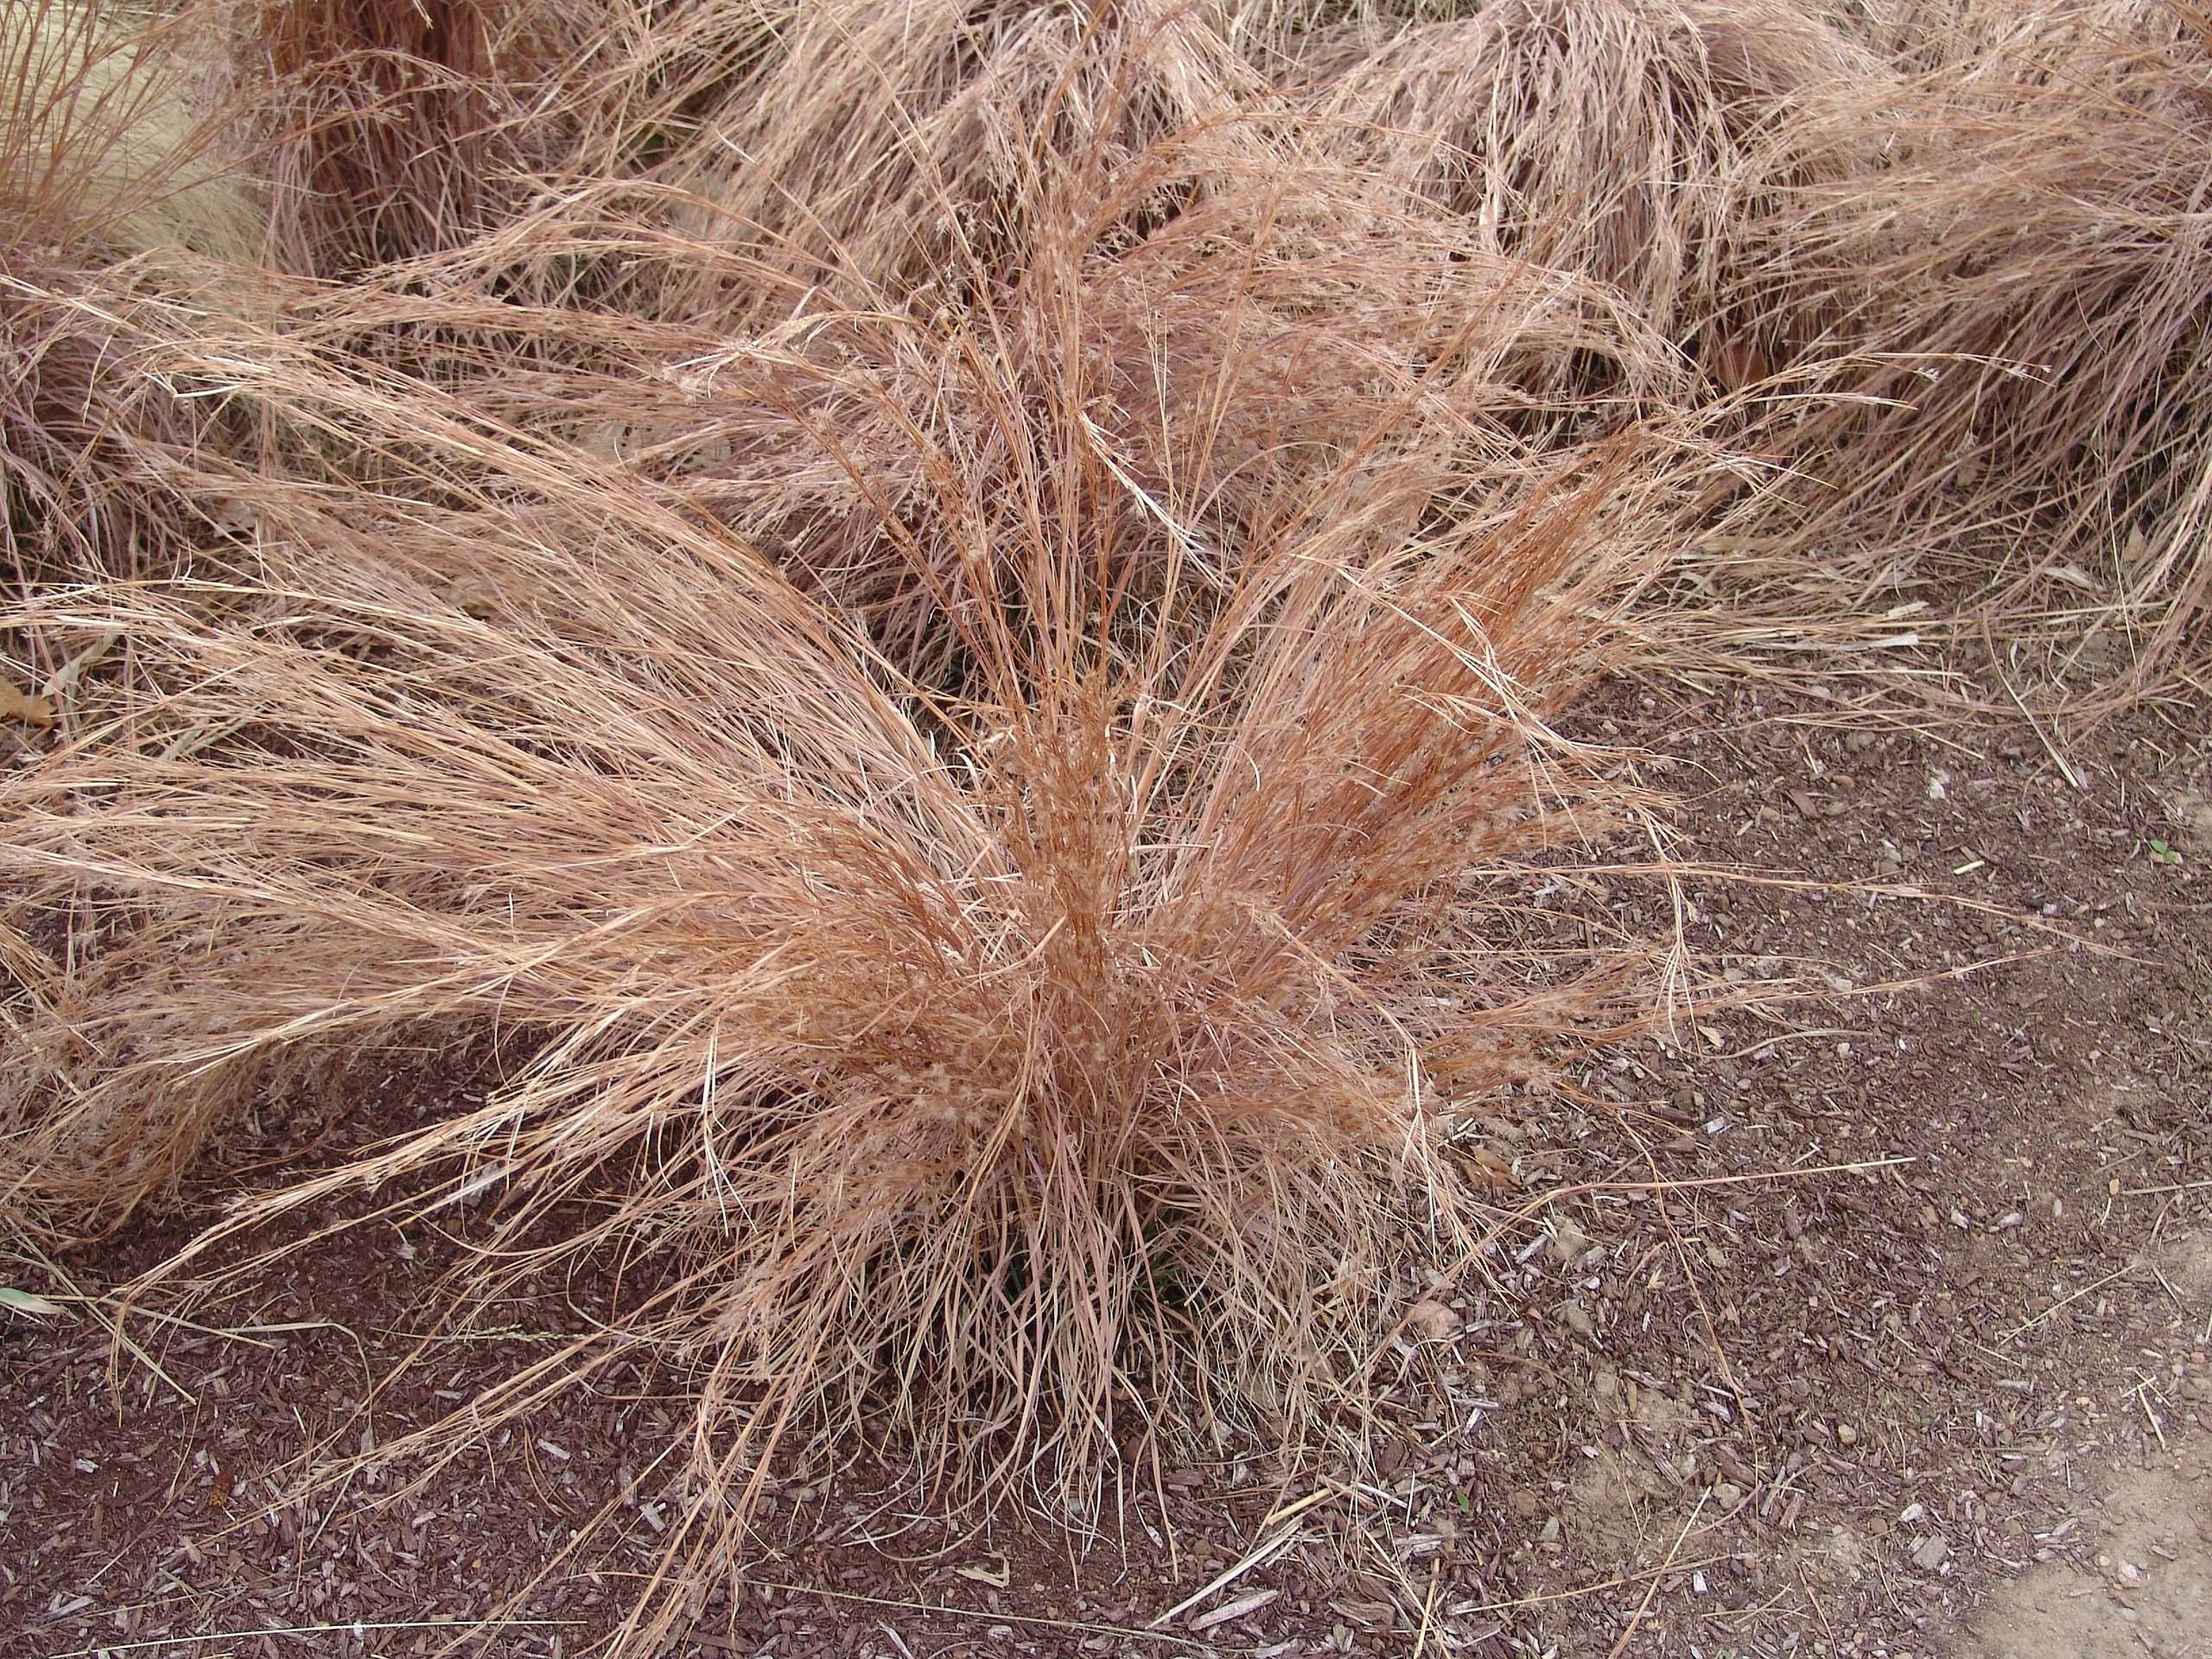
[[1613, 138], [908, 149], [109, 170], [2014, 297], [387, 128], [107, 138], [1000, 1058], [943, 617]]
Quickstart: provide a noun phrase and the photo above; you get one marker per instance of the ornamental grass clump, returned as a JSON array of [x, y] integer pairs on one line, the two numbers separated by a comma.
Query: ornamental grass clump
[[996, 1038], [112, 179], [2007, 308]]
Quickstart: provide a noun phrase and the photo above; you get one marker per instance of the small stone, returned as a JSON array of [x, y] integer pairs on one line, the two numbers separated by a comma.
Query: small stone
[[2130, 1573], [1726, 1495], [1931, 1552], [1578, 1319], [1845, 1434]]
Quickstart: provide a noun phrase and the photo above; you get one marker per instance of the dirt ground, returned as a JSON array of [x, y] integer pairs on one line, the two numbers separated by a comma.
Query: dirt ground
[[1871, 1321]]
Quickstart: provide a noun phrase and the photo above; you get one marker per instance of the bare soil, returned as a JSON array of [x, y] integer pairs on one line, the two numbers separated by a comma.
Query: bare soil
[[1871, 1320]]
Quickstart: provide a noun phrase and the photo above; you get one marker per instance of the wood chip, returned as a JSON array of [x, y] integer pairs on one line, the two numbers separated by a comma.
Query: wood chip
[[1236, 1609]]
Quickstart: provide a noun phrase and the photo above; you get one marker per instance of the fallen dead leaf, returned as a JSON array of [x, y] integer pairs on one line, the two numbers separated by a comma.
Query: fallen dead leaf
[[16, 704], [1432, 1318], [1485, 1168]]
